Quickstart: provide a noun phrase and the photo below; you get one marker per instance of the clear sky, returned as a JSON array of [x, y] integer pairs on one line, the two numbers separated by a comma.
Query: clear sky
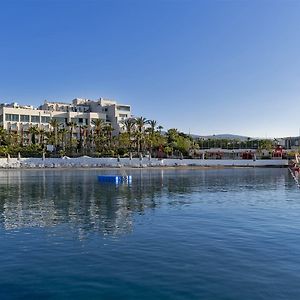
[[205, 67]]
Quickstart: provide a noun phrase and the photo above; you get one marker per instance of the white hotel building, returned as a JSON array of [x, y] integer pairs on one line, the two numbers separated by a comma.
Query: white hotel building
[[83, 112]]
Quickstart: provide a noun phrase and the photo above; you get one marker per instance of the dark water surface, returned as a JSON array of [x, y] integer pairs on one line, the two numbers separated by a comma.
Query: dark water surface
[[171, 234]]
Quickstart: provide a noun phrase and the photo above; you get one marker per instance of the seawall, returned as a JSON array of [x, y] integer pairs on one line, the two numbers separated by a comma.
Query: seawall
[[88, 162]]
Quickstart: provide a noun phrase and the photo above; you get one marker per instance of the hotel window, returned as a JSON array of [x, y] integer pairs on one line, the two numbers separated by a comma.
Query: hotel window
[[45, 119], [1, 118], [24, 118], [11, 117], [60, 120], [35, 119], [123, 107]]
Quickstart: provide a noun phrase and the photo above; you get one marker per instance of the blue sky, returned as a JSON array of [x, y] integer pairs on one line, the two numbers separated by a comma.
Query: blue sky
[[205, 67]]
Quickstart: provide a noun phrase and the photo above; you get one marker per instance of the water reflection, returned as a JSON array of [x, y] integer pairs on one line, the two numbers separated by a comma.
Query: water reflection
[[43, 198]]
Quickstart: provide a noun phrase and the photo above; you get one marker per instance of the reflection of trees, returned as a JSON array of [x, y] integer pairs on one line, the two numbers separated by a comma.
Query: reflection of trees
[[46, 198], [231, 179]]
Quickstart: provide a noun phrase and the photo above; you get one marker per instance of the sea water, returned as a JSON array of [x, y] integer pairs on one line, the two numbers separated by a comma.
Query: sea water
[[169, 234]]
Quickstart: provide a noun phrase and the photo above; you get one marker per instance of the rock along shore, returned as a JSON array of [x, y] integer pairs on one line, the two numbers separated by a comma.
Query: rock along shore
[[89, 162]]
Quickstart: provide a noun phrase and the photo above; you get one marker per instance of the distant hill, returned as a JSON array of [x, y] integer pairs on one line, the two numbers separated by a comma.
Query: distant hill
[[221, 136]]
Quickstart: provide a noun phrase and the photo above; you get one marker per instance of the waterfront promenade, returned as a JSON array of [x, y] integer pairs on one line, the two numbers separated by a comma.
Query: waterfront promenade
[[89, 162]]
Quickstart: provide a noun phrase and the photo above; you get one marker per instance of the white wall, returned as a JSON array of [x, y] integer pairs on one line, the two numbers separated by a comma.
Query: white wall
[[135, 162]]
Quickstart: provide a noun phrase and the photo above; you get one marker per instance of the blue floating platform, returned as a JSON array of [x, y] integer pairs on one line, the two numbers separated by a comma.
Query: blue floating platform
[[114, 179]]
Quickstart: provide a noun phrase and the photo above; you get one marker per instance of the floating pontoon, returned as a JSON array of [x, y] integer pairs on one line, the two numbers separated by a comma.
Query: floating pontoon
[[115, 178]]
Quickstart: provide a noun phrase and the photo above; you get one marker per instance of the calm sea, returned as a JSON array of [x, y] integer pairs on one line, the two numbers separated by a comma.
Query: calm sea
[[170, 234]]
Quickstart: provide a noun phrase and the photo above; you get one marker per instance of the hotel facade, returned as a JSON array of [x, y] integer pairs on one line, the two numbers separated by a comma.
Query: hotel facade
[[82, 112]]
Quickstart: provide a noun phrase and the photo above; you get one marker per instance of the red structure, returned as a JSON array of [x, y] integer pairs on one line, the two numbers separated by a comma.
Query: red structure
[[278, 152], [247, 155]]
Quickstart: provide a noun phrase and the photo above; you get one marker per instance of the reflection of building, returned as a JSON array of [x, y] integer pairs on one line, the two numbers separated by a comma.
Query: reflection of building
[[46, 201], [45, 198], [82, 112]]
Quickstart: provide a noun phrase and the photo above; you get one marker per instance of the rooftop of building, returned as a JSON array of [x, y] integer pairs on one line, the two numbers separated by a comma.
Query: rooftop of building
[[16, 105], [77, 102]]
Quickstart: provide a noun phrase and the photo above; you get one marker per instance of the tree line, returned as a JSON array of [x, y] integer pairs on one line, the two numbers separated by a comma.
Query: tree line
[[139, 136]]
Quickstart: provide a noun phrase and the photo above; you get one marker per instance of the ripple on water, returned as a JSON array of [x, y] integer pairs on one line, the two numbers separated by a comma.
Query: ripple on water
[[171, 234]]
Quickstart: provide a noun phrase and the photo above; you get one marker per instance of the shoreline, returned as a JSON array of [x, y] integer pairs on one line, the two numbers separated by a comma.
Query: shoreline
[[135, 163]]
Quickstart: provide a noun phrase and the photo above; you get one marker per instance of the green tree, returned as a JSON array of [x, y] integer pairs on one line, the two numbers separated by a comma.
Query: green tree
[[54, 125], [3, 136], [129, 126], [62, 135], [140, 124], [98, 137], [71, 129], [33, 131]]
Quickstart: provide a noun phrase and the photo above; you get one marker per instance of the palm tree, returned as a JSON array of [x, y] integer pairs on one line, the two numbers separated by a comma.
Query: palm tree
[[33, 131], [72, 126], [41, 133], [21, 133], [99, 125], [62, 133], [140, 124], [152, 128], [160, 128], [91, 142], [129, 125], [84, 137], [54, 124], [153, 125]]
